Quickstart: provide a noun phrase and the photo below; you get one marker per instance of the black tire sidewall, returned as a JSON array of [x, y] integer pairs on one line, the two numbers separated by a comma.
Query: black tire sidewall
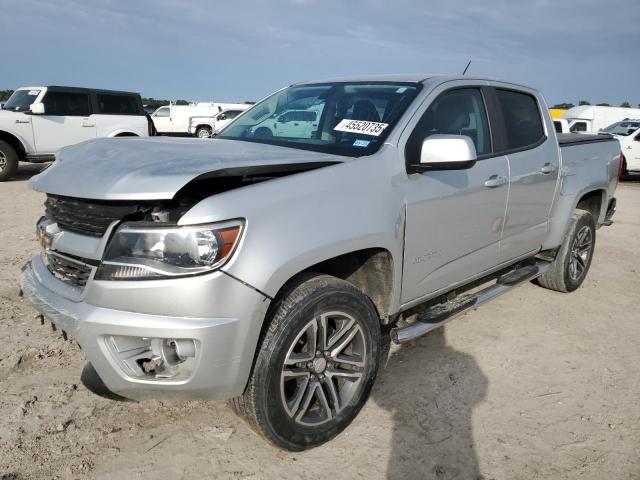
[[585, 219], [11, 159], [280, 427]]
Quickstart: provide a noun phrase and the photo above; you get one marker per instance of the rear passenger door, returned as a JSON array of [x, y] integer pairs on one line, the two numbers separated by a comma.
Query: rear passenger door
[[118, 112], [532, 151], [67, 120], [453, 217]]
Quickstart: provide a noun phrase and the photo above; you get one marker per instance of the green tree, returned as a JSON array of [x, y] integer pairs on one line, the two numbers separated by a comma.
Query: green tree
[[5, 94], [584, 102], [565, 106], [603, 104], [625, 105]]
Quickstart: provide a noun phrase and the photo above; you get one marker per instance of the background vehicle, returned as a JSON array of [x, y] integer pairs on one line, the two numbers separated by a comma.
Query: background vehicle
[[592, 118], [628, 133], [277, 270], [204, 127], [36, 122], [177, 119], [291, 124]]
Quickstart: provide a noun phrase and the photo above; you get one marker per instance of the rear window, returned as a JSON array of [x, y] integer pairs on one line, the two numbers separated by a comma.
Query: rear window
[[117, 104], [523, 122], [578, 127], [558, 126]]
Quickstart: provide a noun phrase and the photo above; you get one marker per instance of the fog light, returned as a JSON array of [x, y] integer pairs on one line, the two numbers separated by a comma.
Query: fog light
[[153, 358]]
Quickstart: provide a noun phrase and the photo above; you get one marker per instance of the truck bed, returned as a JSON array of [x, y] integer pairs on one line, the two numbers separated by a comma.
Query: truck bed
[[568, 139]]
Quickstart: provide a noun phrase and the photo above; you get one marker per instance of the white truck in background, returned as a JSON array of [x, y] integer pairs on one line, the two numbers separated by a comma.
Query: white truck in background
[[205, 127], [36, 122], [628, 134], [176, 120], [594, 118]]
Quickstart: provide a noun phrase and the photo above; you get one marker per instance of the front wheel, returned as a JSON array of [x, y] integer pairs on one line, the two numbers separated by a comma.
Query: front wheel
[[316, 365], [570, 267], [204, 132], [8, 161]]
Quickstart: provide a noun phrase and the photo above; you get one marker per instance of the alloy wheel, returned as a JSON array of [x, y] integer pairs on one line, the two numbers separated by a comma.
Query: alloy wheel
[[580, 253], [323, 368]]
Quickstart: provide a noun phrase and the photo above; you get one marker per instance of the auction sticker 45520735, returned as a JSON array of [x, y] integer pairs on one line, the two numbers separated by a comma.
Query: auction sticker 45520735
[[360, 126]]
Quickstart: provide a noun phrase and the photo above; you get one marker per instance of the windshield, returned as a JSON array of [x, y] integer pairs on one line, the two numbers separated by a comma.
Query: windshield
[[342, 118], [21, 100], [622, 128]]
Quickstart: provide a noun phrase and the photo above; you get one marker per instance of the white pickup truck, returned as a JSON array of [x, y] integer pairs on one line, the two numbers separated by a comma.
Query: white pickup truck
[[205, 127], [628, 133], [198, 119], [36, 122]]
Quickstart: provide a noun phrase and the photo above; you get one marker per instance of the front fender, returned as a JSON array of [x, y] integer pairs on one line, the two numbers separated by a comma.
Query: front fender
[[298, 221]]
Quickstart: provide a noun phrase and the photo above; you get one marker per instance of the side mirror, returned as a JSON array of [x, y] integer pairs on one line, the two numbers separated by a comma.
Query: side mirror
[[446, 152], [222, 117], [37, 108]]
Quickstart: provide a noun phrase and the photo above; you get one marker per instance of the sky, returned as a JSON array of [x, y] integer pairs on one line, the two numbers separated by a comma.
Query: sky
[[207, 50]]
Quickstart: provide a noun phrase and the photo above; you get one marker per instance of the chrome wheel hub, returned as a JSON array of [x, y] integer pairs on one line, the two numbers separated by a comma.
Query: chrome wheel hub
[[580, 253], [323, 368]]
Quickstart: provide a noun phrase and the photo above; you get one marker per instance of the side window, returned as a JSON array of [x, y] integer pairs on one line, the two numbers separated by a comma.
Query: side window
[[456, 112], [523, 123], [162, 112], [117, 104], [231, 114], [578, 127], [66, 103]]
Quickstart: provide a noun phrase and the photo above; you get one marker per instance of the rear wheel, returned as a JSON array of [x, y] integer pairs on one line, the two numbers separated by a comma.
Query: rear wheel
[[570, 267], [8, 161], [316, 365]]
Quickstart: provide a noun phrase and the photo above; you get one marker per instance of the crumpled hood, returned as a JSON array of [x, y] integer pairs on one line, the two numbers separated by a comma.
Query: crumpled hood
[[157, 168]]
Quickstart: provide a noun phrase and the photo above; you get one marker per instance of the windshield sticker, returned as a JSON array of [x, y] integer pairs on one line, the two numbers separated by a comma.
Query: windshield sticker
[[33, 92], [401, 90], [361, 143], [359, 126]]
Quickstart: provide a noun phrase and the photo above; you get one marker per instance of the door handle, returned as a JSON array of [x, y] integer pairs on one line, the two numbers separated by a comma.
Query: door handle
[[628, 148], [548, 168], [495, 181], [88, 124]]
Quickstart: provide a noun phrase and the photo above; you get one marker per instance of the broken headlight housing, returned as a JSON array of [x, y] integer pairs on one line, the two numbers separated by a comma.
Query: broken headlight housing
[[145, 251]]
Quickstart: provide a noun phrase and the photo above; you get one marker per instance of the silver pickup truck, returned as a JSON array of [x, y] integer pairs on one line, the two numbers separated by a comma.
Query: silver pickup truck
[[276, 270]]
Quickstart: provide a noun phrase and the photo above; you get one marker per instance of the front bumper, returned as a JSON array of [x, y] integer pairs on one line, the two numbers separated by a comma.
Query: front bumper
[[226, 337]]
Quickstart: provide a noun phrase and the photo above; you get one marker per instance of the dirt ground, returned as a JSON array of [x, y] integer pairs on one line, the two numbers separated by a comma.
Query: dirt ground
[[536, 385]]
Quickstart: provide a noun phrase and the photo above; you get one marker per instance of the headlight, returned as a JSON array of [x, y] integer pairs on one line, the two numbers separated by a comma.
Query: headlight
[[141, 251]]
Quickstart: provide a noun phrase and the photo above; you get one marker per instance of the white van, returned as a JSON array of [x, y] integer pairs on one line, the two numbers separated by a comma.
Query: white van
[[628, 133], [36, 122], [176, 119], [593, 118]]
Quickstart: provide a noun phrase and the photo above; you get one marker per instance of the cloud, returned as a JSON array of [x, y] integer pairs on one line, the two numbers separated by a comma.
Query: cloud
[[247, 48]]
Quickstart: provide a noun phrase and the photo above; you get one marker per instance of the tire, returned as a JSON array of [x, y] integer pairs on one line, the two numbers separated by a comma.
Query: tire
[[571, 265], [624, 173], [263, 132], [301, 405], [203, 132], [8, 161]]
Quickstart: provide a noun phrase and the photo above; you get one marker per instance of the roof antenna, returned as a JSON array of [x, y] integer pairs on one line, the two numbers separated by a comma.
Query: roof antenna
[[466, 68]]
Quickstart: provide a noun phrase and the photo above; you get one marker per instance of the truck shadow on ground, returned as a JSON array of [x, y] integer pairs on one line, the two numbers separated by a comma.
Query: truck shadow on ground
[[431, 389]]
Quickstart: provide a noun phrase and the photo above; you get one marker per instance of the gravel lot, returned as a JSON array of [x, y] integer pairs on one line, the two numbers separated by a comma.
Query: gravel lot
[[537, 385]]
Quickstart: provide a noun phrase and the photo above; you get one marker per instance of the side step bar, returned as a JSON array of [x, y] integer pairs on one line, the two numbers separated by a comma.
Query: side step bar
[[437, 315]]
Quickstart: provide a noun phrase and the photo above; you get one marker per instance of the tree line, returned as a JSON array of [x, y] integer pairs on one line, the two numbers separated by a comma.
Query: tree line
[[567, 106]]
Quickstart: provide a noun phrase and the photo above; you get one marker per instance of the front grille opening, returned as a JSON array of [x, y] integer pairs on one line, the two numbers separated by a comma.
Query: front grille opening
[[92, 217]]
